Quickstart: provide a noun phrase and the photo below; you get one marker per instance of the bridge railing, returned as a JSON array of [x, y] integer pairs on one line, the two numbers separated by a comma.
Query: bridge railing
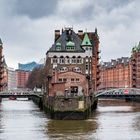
[[119, 91], [21, 93]]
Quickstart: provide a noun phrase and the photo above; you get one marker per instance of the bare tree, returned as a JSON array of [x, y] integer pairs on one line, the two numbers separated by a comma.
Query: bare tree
[[37, 78]]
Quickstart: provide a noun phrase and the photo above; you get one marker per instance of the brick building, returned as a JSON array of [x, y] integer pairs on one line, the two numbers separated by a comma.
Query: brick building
[[3, 69], [72, 63], [135, 59], [12, 83], [69, 82], [22, 78], [116, 74]]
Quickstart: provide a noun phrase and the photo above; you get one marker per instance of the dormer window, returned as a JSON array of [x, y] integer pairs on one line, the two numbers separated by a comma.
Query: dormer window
[[70, 46], [58, 46]]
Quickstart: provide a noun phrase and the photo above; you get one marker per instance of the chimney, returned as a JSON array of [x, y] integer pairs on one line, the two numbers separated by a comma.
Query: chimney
[[80, 32], [57, 34]]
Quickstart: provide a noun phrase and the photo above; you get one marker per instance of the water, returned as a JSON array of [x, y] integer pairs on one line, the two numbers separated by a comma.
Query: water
[[113, 120]]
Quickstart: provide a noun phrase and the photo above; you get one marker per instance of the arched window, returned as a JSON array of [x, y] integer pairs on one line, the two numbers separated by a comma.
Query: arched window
[[77, 69], [73, 60], [61, 59], [55, 59], [79, 59], [63, 69], [67, 60]]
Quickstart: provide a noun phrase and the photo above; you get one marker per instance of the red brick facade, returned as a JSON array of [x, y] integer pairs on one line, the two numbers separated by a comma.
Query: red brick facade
[[116, 74], [73, 54], [135, 60], [67, 83], [3, 70], [22, 78]]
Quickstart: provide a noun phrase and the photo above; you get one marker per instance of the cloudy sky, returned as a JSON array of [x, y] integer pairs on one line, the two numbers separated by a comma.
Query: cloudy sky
[[27, 26]]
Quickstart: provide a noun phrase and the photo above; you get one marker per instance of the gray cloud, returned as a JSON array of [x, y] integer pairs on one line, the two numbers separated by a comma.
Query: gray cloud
[[27, 28], [35, 8]]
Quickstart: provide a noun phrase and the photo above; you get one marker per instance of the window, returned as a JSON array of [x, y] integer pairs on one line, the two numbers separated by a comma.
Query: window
[[60, 79], [77, 69], [73, 60], [67, 60], [70, 46], [55, 59], [72, 79], [63, 69], [61, 59], [58, 46], [86, 66], [74, 89], [77, 80], [79, 60], [64, 80]]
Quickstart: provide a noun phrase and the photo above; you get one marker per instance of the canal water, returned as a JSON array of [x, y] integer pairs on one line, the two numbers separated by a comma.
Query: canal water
[[113, 120]]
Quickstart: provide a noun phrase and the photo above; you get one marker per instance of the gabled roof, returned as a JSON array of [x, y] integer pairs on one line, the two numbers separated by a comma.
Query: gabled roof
[[86, 41], [67, 37]]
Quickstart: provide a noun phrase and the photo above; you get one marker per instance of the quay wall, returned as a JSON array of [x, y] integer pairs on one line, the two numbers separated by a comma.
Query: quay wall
[[69, 108]]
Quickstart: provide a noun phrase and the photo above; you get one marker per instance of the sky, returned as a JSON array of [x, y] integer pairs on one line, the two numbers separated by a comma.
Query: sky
[[27, 26]]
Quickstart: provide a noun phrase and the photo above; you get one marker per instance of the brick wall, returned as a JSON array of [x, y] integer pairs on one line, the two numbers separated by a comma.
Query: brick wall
[[73, 79], [116, 76]]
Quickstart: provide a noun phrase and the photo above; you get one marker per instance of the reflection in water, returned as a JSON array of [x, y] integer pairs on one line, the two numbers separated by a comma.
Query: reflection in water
[[113, 120], [71, 129], [20, 120]]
